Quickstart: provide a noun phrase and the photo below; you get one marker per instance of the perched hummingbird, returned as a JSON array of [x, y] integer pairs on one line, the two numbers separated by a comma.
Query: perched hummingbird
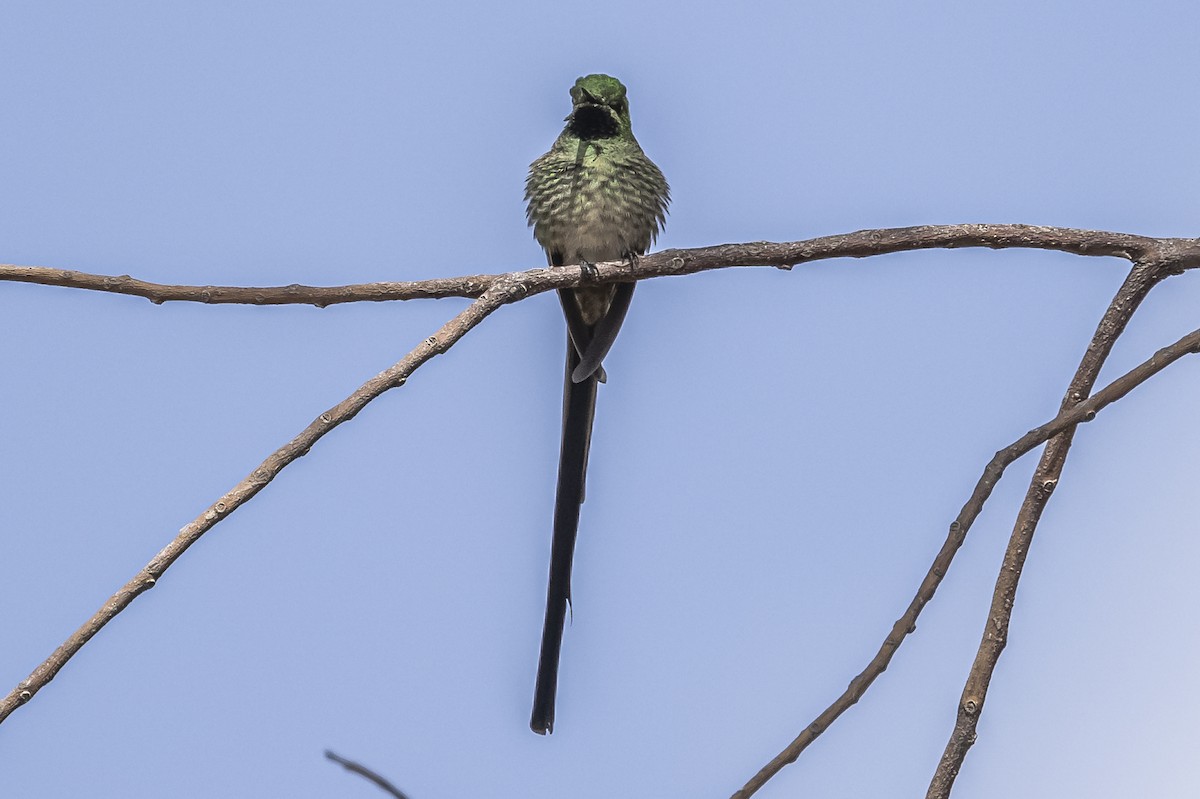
[[594, 197]]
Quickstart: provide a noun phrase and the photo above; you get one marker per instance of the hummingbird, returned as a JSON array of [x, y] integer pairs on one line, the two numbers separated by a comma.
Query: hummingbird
[[593, 197]]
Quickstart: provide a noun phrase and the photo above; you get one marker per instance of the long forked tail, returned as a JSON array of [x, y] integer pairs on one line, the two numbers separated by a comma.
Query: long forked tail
[[579, 406]]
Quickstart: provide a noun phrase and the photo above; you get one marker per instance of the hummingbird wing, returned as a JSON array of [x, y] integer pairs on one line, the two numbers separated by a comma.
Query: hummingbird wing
[[604, 333]]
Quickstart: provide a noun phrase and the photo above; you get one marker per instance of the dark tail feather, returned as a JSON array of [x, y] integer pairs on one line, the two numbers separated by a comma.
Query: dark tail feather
[[579, 406]]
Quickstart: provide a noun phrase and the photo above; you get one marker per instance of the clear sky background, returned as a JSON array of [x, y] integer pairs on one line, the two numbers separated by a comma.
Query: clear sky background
[[776, 458]]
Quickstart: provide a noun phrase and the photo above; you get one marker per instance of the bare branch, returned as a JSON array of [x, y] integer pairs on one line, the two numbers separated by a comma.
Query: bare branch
[[1183, 252], [1137, 285], [294, 294], [906, 624], [1169, 255], [363, 771], [502, 291]]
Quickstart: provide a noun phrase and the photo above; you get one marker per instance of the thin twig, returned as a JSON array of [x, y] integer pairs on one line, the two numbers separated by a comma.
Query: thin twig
[[860, 244], [363, 771], [470, 286], [501, 292], [906, 624], [1142, 278]]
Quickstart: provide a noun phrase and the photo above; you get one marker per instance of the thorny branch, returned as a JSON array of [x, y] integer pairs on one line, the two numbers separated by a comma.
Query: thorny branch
[[1154, 259]]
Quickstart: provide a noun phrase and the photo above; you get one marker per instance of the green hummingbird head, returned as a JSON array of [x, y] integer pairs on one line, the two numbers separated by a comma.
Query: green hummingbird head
[[600, 108]]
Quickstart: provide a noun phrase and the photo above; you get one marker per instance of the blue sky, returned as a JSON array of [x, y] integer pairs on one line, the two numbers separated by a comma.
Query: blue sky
[[776, 457]]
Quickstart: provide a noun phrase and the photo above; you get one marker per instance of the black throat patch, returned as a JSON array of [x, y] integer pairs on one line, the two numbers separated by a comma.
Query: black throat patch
[[593, 122]]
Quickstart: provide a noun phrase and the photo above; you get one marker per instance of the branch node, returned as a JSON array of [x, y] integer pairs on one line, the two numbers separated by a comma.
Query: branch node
[[215, 511]]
